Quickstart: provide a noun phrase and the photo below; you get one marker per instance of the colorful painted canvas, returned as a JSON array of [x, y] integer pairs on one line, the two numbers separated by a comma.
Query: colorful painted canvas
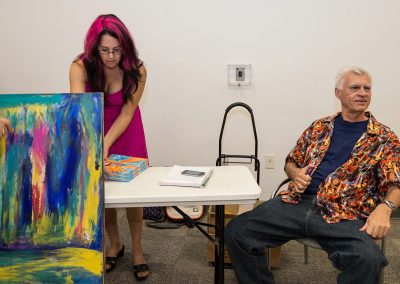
[[52, 189]]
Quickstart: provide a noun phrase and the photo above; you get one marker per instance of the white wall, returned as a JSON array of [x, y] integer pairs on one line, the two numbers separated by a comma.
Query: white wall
[[295, 48]]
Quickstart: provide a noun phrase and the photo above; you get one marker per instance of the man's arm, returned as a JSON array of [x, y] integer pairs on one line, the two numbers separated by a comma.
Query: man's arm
[[393, 195], [378, 222], [299, 176]]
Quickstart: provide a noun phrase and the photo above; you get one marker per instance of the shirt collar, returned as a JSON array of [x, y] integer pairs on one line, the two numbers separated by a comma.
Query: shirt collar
[[373, 126]]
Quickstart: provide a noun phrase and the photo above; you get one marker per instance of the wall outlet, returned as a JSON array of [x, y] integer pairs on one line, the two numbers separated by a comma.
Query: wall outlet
[[269, 161]]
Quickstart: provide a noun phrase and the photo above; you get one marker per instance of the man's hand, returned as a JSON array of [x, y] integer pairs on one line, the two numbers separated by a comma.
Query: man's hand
[[378, 222], [4, 126], [301, 179]]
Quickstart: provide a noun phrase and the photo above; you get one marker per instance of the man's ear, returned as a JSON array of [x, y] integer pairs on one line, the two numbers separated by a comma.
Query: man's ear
[[337, 93]]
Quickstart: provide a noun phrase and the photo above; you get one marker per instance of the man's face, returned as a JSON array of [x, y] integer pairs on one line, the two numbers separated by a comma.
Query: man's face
[[355, 94]]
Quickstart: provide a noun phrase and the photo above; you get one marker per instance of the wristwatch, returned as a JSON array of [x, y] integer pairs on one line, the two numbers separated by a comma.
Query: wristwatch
[[390, 204]]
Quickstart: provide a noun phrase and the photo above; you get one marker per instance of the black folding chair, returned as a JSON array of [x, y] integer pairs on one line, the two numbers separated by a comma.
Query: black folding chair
[[225, 159]]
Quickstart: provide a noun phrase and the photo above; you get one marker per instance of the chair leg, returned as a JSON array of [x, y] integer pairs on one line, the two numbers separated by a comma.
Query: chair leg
[[268, 258], [305, 254]]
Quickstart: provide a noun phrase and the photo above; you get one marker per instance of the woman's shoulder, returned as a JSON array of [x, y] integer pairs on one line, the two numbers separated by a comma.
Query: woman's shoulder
[[142, 71], [78, 69], [77, 76], [78, 64]]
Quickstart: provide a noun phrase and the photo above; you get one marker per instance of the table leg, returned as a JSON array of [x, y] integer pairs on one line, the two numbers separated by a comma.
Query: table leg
[[219, 244]]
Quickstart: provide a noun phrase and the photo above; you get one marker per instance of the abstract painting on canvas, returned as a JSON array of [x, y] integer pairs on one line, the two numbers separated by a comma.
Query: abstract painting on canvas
[[52, 189]]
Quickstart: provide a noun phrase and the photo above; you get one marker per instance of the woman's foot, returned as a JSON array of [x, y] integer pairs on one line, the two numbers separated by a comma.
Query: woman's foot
[[140, 269], [111, 260]]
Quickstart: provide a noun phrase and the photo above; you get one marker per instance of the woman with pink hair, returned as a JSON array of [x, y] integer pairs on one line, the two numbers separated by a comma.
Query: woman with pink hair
[[110, 64]]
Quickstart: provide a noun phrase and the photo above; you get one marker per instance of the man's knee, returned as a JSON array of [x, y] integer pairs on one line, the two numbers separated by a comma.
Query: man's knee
[[233, 231], [373, 257], [370, 257]]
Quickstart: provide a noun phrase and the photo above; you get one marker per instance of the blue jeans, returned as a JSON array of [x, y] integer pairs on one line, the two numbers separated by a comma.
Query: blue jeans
[[274, 223]]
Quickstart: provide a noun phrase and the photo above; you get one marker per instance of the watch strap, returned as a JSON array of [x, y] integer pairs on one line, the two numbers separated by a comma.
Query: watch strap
[[390, 204]]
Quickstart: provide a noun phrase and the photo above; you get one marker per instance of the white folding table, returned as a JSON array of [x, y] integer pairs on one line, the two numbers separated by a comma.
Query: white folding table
[[227, 185]]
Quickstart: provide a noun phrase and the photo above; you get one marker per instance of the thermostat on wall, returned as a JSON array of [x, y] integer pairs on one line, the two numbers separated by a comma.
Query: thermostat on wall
[[239, 75]]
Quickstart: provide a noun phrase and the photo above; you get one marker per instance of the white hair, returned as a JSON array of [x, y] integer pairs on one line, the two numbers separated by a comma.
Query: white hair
[[344, 71]]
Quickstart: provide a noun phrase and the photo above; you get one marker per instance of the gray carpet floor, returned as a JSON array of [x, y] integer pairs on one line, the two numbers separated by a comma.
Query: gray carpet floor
[[180, 256]]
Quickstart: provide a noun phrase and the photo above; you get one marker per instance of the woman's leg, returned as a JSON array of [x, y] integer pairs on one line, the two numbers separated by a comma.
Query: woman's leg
[[111, 225], [135, 220]]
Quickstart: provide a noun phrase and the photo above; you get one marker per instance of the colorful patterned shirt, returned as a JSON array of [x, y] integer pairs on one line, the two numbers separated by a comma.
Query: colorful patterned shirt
[[355, 188]]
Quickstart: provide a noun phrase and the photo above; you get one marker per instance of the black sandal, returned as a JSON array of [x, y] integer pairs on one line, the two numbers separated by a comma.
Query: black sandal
[[112, 260], [138, 269]]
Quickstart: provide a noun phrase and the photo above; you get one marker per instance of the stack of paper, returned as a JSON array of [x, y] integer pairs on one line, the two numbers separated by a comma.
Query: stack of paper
[[176, 178], [124, 168]]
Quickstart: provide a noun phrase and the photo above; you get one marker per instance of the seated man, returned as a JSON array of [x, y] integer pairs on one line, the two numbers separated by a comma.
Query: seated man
[[345, 184]]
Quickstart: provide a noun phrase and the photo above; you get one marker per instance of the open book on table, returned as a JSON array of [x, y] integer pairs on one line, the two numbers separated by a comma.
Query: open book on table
[[187, 176]]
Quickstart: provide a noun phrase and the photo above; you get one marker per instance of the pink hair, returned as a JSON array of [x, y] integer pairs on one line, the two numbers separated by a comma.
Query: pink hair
[[130, 63]]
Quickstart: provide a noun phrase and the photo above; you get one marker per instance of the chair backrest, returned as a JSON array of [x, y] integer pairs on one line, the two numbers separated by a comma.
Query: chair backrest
[[222, 158], [248, 108]]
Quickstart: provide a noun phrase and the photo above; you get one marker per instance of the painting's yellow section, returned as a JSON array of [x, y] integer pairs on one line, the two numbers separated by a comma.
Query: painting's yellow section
[[69, 280], [90, 260], [2, 148], [69, 227], [43, 234], [92, 197]]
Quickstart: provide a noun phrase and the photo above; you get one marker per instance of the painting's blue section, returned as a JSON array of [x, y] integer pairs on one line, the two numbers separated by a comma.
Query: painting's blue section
[[65, 155], [25, 204], [97, 120]]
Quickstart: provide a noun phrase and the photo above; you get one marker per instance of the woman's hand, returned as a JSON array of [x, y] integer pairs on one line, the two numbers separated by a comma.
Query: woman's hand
[[105, 150], [5, 126]]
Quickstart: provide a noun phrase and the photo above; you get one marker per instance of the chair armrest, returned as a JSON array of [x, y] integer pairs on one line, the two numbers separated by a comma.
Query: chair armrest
[[276, 191]]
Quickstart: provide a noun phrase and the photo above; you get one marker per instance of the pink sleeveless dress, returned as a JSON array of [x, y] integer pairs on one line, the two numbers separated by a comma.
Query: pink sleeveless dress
[[132, 141]]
